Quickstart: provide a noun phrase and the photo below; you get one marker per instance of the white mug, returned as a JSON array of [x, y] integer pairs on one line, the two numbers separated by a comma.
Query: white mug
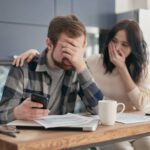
[[107, 111]]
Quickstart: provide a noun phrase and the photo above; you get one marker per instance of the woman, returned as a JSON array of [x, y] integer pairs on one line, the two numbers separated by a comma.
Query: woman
[[121, 72]]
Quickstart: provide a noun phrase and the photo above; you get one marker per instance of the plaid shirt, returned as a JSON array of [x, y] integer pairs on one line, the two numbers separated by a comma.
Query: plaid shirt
[[33, 77]]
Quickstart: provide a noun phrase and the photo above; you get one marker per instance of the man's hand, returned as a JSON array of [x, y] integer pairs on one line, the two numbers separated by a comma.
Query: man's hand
[[29, 110], [26, 56], [73, 52]]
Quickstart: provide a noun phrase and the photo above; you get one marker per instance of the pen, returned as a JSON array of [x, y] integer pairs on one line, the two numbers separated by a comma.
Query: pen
[[8, 133], [147, 114]]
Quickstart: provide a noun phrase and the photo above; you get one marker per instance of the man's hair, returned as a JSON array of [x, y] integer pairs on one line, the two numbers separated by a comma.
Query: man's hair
[[70, 25]]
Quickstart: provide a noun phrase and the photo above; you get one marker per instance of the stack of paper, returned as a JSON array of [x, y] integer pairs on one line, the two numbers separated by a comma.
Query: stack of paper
[[86, 123], [70, 120], [131, 118]]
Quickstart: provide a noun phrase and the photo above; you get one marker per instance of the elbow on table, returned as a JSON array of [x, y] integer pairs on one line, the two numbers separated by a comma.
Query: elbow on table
[[143, 106]]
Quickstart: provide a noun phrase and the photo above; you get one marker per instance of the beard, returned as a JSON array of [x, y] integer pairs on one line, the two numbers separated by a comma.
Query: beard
[[64, 64]]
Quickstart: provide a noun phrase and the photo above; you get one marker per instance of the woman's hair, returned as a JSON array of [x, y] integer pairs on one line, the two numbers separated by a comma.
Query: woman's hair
[[136, 62], [70, 25]]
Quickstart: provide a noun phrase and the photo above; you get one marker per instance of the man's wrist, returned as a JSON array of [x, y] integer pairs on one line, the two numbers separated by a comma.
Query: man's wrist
[[10, 115], [15, 113], [81, 67], [85, 77]]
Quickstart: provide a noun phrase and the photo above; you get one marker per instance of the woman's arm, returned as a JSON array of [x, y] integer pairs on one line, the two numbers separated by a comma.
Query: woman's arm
[[26, 56], [126, 78], [140, 95]]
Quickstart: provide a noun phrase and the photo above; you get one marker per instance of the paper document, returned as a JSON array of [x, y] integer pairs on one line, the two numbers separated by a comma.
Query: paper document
[[67, 120], [87, 123], [131, 118]]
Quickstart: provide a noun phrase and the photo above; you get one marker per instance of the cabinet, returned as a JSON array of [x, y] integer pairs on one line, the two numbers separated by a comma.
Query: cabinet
[[24, 23], [15, 39], [100, 13], [31, 12], [63, 7]]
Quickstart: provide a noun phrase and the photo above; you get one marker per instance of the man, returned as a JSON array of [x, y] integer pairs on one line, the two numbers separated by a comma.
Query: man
[[60, 74]]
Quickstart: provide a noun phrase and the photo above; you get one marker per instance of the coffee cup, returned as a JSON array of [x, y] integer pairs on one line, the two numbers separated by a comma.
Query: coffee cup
[[107, 111]]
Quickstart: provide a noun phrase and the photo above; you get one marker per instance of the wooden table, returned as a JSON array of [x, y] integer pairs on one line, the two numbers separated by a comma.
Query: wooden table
[[54, 139]]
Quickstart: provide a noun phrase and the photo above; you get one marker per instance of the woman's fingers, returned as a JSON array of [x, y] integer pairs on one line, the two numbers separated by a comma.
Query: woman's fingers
[[26, 56]]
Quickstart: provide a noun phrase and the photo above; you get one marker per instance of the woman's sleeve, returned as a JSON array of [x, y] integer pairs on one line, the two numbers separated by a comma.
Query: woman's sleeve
[[140, 95]]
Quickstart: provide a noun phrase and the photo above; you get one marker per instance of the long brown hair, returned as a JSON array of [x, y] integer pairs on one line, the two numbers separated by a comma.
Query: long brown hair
[[136, 62]]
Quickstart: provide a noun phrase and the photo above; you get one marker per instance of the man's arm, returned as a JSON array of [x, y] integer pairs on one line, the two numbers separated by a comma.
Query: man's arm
[[12, 94], [14, 105], [89, 91]]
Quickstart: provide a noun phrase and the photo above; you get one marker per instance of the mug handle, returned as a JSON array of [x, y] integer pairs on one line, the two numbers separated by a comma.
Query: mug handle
[[123, 107]]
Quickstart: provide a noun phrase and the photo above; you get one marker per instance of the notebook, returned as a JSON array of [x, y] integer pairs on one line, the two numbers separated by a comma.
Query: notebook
[[67, 121]]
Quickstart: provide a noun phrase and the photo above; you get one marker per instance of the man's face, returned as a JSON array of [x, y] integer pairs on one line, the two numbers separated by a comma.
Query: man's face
[[57, 52]]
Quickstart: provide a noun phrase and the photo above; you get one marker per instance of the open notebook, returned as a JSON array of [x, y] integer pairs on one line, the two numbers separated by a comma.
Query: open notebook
[[67, 121]]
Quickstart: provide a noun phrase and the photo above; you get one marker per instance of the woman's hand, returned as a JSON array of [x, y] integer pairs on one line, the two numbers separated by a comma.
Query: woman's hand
[[117, 57], [26, 56]]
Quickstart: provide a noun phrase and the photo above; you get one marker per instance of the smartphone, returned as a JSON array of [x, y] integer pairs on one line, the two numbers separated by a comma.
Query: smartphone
[[40, 99]]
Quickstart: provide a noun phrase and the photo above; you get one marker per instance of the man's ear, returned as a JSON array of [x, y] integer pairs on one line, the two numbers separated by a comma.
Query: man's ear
[[85, 43], [49, 43]]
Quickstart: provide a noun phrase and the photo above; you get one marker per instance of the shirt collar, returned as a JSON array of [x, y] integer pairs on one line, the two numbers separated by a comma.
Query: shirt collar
[[42, 65]]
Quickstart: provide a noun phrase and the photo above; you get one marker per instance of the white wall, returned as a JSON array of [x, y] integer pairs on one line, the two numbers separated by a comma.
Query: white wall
[[128, 5], [148, 4]]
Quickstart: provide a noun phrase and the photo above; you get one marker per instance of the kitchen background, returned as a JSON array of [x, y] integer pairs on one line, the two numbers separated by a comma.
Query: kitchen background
[[24, 23]]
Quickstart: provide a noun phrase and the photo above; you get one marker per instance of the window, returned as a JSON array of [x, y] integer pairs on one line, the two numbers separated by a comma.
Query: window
[[4, 69]]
